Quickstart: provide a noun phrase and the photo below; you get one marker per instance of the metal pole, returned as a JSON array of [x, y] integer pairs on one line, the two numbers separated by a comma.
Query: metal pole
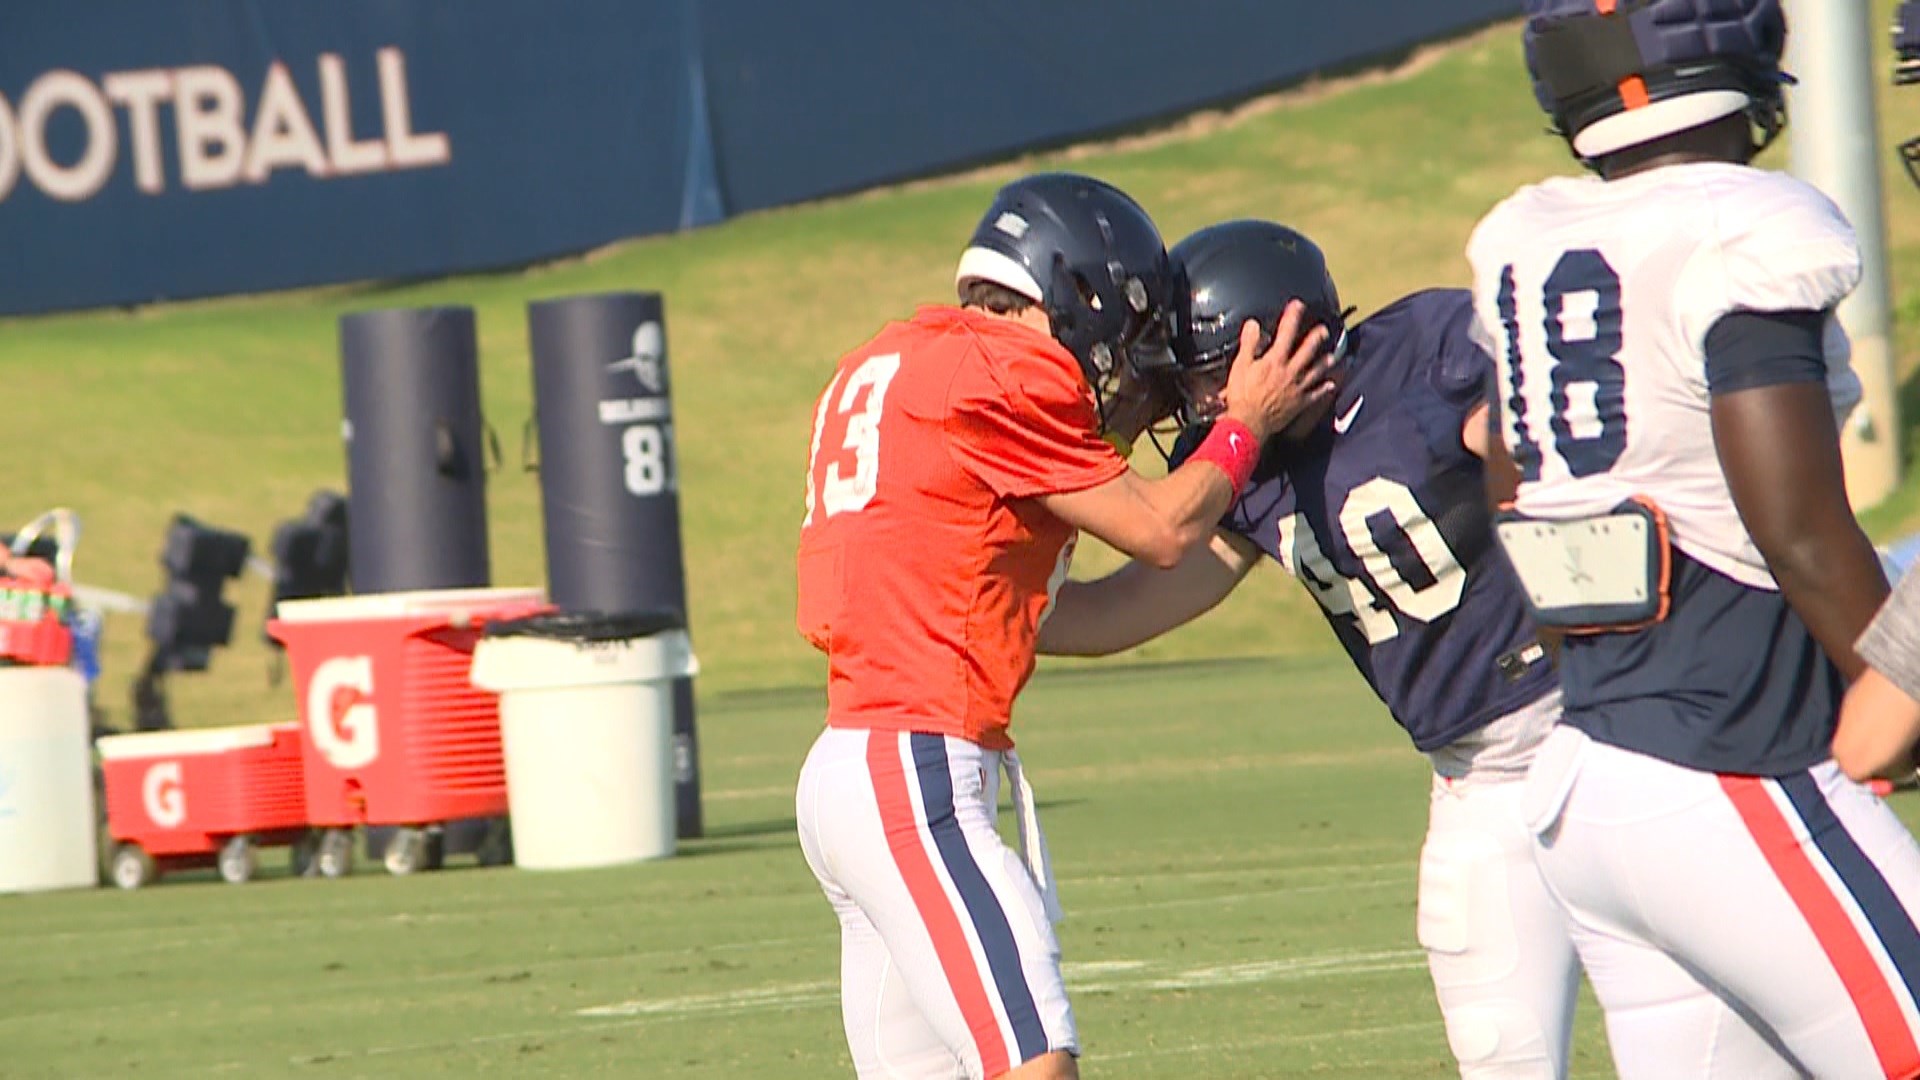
[[1834, 141]]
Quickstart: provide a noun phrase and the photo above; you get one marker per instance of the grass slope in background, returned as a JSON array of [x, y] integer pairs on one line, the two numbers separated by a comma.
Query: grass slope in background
[[230, 410]]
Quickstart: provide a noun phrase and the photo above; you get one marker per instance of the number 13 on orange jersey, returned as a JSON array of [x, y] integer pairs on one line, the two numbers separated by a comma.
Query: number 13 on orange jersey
[[856, 417]]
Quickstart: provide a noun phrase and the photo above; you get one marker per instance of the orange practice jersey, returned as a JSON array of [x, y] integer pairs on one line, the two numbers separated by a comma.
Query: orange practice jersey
[[925, 564]]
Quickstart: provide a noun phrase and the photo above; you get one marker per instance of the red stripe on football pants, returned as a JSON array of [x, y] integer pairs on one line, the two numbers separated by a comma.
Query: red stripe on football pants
[[1866, 985], [902, 827]]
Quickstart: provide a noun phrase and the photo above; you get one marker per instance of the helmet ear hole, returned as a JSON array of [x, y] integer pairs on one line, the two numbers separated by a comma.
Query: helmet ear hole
[[1085, 290]]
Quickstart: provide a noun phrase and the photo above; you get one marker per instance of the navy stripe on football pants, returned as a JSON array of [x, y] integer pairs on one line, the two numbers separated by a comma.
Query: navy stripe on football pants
[[983, 907], [1884, 912]]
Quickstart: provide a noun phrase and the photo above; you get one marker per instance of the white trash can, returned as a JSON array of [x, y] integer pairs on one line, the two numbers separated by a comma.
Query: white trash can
[[586, 726], [49, 835]]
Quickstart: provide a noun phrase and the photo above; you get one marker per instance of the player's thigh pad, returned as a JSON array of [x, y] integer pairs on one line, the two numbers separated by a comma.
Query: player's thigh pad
[[1498, 947], [909, 837]]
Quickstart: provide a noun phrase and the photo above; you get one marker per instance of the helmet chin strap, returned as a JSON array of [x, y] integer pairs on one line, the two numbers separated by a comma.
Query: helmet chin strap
[[1166, 452]]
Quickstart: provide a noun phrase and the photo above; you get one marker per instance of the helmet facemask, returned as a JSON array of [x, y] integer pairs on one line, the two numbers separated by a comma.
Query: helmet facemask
[[1121, 333], [1202, 381]]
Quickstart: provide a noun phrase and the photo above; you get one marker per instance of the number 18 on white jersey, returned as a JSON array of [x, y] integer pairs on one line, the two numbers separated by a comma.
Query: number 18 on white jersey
[[1595, 298]]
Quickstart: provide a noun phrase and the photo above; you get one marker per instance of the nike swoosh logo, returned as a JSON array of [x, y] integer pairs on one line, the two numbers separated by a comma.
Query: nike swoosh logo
[[1345, 420], [1233, 441]]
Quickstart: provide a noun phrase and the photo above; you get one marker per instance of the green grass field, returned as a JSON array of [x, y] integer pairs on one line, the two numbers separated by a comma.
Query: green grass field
[[1235, 844], [1236, 834]]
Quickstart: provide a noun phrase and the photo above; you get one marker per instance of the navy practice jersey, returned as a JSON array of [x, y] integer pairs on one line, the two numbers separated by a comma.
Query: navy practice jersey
[[1382, 514]]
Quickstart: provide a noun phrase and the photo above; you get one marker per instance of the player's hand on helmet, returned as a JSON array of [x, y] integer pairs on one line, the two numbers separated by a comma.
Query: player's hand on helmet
[[1267, 390]]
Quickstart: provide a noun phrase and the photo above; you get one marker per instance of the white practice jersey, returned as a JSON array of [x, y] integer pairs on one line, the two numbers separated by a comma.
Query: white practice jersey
[[1596, 297]]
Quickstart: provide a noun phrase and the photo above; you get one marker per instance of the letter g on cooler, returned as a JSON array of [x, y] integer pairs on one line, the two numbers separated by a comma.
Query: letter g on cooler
[[163, 796], [340, 715]]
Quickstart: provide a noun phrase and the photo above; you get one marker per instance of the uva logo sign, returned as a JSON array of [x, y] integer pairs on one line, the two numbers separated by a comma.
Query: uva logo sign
[[220, 136], [163, 796], [342, 720]]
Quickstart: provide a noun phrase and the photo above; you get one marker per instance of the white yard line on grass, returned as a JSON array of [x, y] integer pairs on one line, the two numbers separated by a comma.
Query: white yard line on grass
[[1399, 875], [732, 1002], [1257, 1042], [1316, 869], [736, 794], [1109, 976], [1265, 971], [1394, 880]]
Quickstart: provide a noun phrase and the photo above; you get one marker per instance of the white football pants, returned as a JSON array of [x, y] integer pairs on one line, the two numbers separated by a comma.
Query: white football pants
[[1733, 926], [948, 962], [1498, 946]]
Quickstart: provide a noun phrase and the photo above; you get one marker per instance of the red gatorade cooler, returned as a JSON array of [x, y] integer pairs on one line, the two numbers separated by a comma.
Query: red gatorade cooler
[[396, 733], [178, 799]]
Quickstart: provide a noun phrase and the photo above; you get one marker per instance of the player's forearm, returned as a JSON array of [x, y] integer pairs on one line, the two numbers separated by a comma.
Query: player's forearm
[[1834, 583], [1095, 618], [1154, 521], [1190, 502], [1138, 603], [1878, 726], [1170, 516]]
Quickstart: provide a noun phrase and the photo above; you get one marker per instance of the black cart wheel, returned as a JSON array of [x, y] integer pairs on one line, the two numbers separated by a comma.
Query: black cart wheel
[[303, 857], [497, 848]]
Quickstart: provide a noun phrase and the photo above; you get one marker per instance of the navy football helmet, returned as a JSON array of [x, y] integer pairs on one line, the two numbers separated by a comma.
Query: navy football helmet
[[1232, 272], [1618, 73], [1093, 260]]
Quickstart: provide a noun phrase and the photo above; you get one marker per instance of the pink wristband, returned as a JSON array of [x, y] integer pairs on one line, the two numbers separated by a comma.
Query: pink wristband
[[1231, 448]]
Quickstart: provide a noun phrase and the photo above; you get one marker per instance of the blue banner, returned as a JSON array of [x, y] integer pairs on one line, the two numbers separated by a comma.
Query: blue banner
[[809, 100], [161, 149]]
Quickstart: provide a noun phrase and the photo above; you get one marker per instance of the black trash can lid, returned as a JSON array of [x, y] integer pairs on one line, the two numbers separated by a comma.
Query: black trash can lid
[[590, 625]]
